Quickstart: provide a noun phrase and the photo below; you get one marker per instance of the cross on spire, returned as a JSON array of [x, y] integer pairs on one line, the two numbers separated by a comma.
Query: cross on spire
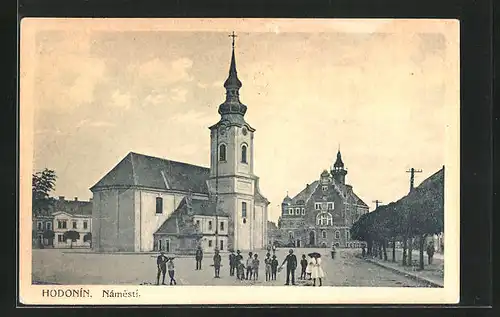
[[233, 36]]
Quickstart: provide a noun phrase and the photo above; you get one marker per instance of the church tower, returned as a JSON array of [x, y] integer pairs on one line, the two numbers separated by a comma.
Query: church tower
[[232, 180], [338, 172]]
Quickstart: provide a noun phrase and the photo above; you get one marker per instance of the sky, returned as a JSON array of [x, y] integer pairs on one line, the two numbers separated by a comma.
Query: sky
[[380, 92]]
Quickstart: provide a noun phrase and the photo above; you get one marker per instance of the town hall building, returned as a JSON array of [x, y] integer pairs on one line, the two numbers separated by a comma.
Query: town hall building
[[322, 214], [148, 203]]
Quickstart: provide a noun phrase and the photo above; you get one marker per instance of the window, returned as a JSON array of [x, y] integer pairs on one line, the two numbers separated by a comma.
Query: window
[[303, 211], [210, 225], [209, 243], [221, 245], [221, 227], [290, 235], [325, 188], [347, 237], [330, 206], [85, 225], [39, 225], [243, 153], [74, 224], [243, 209], [198, 223], [159, 205], [317, 206], [297, 211], [290, 211], [61, 224], [324, 219], [60, 238], [337, 234], [222, 152], [323, 234], [48, 225]]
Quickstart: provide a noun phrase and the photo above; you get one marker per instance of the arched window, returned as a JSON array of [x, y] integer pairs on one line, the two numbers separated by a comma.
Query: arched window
[[323, 234], [222, 152], [243, 153], [324, 219], [243, 209]]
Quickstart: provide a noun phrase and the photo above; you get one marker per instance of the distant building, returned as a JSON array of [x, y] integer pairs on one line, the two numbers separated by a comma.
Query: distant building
[[63, 216], [322, 214], [137, 202]]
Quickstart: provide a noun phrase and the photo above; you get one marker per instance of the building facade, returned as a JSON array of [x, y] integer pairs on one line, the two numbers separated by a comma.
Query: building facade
[[134, 203], [63, 216], [322, 214]]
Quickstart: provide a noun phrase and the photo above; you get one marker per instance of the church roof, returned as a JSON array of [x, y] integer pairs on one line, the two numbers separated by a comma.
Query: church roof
[[158, 173]]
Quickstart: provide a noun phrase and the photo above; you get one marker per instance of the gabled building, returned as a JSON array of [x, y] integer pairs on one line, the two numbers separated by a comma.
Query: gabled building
[[137, 203], [322, 214]]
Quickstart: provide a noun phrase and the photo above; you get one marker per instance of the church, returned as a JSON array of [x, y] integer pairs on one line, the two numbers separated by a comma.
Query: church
[[148, 203], [322, 214]]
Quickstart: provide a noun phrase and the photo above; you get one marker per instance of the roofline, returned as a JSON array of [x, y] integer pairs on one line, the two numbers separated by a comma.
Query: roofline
[[138, 187]]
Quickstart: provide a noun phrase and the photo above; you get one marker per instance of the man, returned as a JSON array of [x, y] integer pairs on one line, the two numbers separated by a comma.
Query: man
[[232, 263], [199, 257], [217, 261], [239, 262], [161, 263], [333, 251], [291, 265], [249, 265], [430, 252]]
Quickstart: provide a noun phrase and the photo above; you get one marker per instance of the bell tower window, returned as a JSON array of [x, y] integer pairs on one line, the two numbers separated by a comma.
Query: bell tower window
[[244, 154], [222, 153]]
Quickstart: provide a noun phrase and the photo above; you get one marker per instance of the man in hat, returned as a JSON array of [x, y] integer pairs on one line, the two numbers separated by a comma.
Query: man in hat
[[161, 263], [238, 264], [199, 257], [291, 265], [232, 262]]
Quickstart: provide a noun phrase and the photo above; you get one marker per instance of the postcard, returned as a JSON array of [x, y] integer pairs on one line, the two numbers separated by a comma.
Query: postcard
[[239, 161]]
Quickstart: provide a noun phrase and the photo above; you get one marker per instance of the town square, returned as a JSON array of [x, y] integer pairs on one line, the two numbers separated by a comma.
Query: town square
[[240, 158]]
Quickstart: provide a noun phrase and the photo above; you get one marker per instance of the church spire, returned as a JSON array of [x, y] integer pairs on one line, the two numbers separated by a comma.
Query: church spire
[[338, 163], [232, 105]]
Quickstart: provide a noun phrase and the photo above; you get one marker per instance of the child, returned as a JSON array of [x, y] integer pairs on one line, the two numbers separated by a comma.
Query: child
[[267, 262], [241, 270], [249, 265], [303, 264], [274, 268], [255, 267], [171, 271]]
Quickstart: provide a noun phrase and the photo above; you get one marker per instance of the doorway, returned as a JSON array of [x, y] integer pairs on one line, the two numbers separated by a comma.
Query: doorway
[[312, 238]]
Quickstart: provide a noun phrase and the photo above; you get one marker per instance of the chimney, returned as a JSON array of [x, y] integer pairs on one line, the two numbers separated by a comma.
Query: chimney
[[76, 198], [61, 197]]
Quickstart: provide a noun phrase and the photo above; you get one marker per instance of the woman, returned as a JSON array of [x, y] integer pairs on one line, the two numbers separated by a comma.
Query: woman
[[317, 271], [310, 264]]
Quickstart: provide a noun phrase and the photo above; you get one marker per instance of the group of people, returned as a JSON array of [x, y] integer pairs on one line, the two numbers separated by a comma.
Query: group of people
[[249, 269]]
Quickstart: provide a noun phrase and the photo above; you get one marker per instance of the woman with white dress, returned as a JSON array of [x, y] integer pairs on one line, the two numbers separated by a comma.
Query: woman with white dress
[[317, 271], [310, 263]]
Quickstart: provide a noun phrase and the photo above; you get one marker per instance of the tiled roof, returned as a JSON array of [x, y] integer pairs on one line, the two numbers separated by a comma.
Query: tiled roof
[[305, 193], [153, 172], [358, 200], [73, 207]]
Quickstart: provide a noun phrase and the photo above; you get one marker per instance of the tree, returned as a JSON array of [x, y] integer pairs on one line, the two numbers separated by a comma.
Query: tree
[[71, 235], [43, 183], [88, 237], [49, 235]]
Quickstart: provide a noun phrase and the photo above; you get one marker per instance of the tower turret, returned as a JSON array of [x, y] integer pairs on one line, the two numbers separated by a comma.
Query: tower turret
[[338, 171]]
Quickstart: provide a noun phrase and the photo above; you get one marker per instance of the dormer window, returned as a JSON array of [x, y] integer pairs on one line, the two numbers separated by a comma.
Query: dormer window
[[317, 206], [290, 211], [303, 211], [297, 211], [325, 188]]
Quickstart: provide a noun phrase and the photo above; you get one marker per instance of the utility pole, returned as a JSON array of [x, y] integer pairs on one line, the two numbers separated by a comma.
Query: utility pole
[[377, 202], [412, 172]]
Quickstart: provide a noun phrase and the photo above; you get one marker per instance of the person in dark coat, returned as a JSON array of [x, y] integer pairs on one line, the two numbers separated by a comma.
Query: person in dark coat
[[363, 251], [274, 268], [430, 252], [199, 257], [303, 264], [291, 265], [217, 262], [232, 263], [161, 263]]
